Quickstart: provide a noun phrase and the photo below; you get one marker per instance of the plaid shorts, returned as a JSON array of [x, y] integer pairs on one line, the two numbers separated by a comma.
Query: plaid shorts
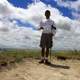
[[46, 40]]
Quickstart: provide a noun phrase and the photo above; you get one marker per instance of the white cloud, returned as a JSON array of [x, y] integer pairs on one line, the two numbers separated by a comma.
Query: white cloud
[[11, 35], [74, 5], [76, 15], [69, 3]]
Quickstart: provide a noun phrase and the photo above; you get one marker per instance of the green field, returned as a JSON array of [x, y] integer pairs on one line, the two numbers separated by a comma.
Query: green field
[[17, 55]]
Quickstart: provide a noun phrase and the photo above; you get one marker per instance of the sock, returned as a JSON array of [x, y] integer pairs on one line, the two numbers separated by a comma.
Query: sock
[[46, 58]]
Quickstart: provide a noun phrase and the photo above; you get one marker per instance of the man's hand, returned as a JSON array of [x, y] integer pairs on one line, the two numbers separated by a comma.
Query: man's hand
[[40, 28]]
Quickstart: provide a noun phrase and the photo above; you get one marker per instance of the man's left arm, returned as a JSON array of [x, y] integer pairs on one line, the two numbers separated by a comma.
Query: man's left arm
[[53, 28]]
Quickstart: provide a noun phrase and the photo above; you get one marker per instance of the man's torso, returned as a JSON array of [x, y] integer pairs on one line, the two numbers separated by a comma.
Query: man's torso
[[47, 25]]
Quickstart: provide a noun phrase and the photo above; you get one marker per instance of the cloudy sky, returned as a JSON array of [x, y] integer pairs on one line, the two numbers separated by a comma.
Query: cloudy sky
[[19, 20]]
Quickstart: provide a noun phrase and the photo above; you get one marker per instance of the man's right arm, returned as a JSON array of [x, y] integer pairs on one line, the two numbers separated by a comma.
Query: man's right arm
[[40, 28]]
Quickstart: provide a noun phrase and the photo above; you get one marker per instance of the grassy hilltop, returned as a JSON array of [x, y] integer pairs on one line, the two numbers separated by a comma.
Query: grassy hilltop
[[16, 55]]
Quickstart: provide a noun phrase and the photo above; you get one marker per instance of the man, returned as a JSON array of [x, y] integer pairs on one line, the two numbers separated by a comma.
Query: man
[[49, 29]]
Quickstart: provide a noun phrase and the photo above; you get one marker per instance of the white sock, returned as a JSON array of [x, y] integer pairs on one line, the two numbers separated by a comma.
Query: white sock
[[46, 58]]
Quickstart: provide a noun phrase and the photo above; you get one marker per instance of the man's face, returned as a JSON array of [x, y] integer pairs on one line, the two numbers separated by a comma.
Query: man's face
[[47, 14]]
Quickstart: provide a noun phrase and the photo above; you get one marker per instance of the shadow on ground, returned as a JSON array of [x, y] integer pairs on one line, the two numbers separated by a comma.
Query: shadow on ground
[[58, 66]]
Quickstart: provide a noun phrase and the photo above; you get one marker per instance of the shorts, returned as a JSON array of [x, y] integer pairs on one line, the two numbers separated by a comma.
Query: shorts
[[46, 40]]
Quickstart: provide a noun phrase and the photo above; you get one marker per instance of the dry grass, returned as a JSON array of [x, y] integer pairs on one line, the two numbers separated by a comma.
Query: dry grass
[[11, 56]]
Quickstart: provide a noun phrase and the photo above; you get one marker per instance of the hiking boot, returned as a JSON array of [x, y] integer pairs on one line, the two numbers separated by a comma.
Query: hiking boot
[[42, 61], [47, 62]]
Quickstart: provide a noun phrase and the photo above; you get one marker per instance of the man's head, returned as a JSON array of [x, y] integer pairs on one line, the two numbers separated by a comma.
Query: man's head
[[47, 14]]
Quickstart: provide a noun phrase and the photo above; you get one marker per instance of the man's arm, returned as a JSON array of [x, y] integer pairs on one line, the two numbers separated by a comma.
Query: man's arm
[[53, 29], [41, 25]]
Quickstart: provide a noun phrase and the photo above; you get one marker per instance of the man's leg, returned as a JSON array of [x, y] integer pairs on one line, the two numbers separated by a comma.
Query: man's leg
[[47, 54], [42, 55]]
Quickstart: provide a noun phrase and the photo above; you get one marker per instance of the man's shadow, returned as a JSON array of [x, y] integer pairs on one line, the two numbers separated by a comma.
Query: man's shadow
[[58, 66]]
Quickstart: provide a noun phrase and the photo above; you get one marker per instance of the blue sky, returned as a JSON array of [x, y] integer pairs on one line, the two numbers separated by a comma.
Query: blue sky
[[64, 10], [20, 3]]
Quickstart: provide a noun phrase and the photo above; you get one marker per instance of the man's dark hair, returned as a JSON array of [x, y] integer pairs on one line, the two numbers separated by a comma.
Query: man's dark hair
[[47, 14]]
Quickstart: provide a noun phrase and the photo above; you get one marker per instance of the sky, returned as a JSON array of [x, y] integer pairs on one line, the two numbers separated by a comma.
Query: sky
[[19, 20]]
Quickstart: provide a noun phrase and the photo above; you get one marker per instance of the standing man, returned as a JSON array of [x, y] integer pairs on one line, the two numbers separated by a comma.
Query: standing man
[[46, 42]]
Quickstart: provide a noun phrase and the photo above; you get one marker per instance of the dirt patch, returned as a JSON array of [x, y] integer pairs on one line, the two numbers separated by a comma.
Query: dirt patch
[[30, 69]]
